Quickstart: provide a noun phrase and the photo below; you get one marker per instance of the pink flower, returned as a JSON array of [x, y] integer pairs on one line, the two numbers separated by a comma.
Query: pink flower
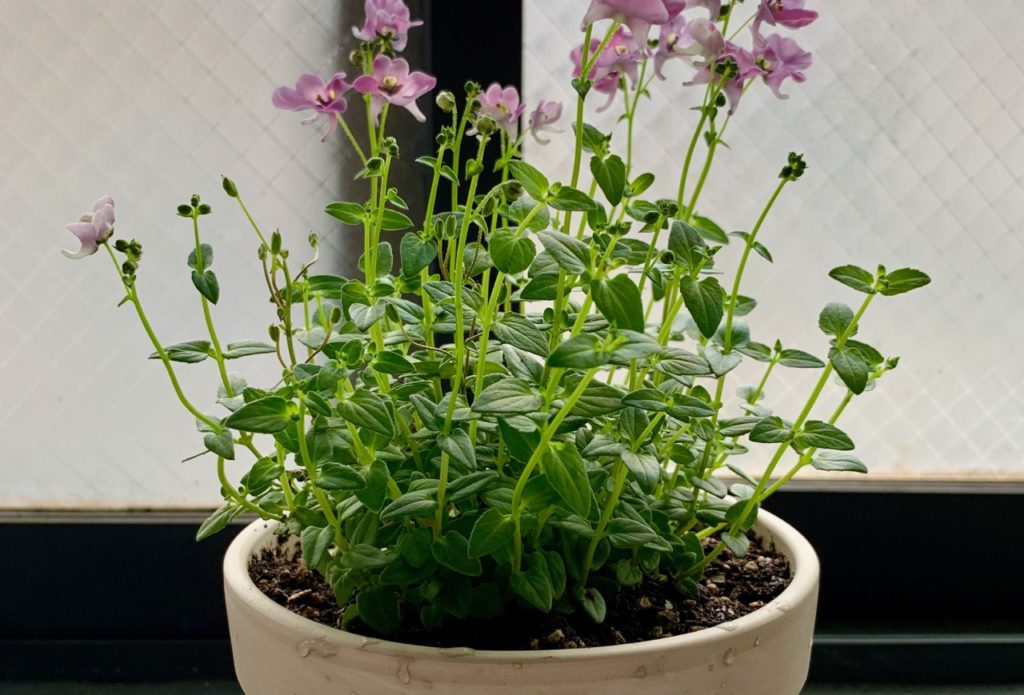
[[543, 117], [387, 19], [740, 62], [620, 57], [780, 57], [392, 83], [714, 7], [503, 105], [698, 41], [312, 93], [93, 229], [788, 13], [638, 15]]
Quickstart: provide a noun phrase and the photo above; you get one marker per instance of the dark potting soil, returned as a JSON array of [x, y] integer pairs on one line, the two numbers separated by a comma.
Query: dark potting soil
[[653, 609]]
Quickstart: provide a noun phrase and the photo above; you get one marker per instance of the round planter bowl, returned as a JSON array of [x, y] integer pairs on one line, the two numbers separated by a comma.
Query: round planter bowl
[[767, 652]]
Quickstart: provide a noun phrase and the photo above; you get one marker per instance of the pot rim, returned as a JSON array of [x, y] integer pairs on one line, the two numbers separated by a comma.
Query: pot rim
[[787, 540]]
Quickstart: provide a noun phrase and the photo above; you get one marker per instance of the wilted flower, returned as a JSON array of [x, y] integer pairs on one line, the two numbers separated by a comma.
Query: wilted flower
[[638, 15], [620, 57], [392, 83], [788, 13], [388, 19], [503, 105], [780, 57], [697, 40], [543, 117], [310, 92], [93, 229]]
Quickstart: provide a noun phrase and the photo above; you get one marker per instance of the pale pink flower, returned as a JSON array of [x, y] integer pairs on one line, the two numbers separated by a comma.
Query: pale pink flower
[[638, 15], [389, 19], [697, 41], [392, 83], [503, 105], [543, 117], [93, 228]]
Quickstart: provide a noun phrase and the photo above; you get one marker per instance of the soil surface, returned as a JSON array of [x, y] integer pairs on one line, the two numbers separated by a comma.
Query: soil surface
[[653, 609]]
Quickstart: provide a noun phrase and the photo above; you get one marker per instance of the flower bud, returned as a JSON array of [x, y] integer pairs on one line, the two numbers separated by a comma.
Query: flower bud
[[229, 187], [486, 126], [121, 245], [356, 58], [194, 200], [336, 315], [275, 243], [129, 268], [472, 88], [185, 210], [374, 164], [205, 209], [474, 168], [446, 101], [513, 191], [274, 331], [314, 240]]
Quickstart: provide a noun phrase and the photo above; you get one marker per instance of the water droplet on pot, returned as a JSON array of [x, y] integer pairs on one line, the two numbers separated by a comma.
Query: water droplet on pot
[[757, 641], [404, 676], [456, 652], [517, 665], [367, 642], [640, 672], [711, 667], [730, 657], [782, 607], [728, 627], [303, 648]]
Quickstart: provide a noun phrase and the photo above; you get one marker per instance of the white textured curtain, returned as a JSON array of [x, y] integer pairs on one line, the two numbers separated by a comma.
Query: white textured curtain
[[911, 121]]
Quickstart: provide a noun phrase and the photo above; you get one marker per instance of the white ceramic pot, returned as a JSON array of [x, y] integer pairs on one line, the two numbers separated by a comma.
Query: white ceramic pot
[[767, 652]]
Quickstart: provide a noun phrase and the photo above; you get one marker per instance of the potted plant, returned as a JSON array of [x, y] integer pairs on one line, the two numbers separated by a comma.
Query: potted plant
[[506, 458]]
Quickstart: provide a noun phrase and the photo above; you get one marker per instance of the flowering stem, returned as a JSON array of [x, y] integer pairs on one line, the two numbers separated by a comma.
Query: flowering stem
[[310, 465], [218, 353], [538, 453], [751, 239], [133, 297], [233, 495], [352, 139]]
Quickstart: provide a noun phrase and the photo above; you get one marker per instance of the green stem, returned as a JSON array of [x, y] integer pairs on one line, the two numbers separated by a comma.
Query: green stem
[[310, 466], [218, 353], [620, 475]]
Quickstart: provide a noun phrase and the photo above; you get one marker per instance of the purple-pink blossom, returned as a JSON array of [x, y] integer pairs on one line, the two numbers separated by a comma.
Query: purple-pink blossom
[[327, 99], [638, 15], [543, 118], [387, 19], [503, 105], [392, 83], [93, 228], [742, 66], [780, 57], [620, 57], [698, 41], [714, 7], [788, 13]]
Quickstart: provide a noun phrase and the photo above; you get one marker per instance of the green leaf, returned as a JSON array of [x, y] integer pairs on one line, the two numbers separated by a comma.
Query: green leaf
[[594, 140], [420, 503], [365, 557], [851, 368], [508, 396], [517, 330], [452, 551], [593, 604], [571, 254], [710, 230], [189, 353], [349, 213], [721, 363], [687, 406], [392, 362], [610, 175], [378, 608], [771, 430], [329, 286], [393, 221], [368, 410], [835, 318], [416, 254], [206, 283], [244, 348], [543, 287], [468, 485], [871, 357], [704, 300], [739, 544], [837, 461], [266, 415], [569, 199], [798, 359], [314, 542], [903, 280], [630, 533], [641, 183], [459, 446], [581, 352], [509, 253], [337, 476], [646, 399], [221, 444], [821, 435], [375, 490], [619, 300], [534, 182], [216, 522], [687, 246], [206, 254], [567, 474], [855, 277], [534, 586], [644, 467], [491, 532], [263, 474]]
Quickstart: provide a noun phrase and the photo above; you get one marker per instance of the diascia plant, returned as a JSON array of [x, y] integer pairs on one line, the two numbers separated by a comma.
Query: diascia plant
[[522, 403]]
